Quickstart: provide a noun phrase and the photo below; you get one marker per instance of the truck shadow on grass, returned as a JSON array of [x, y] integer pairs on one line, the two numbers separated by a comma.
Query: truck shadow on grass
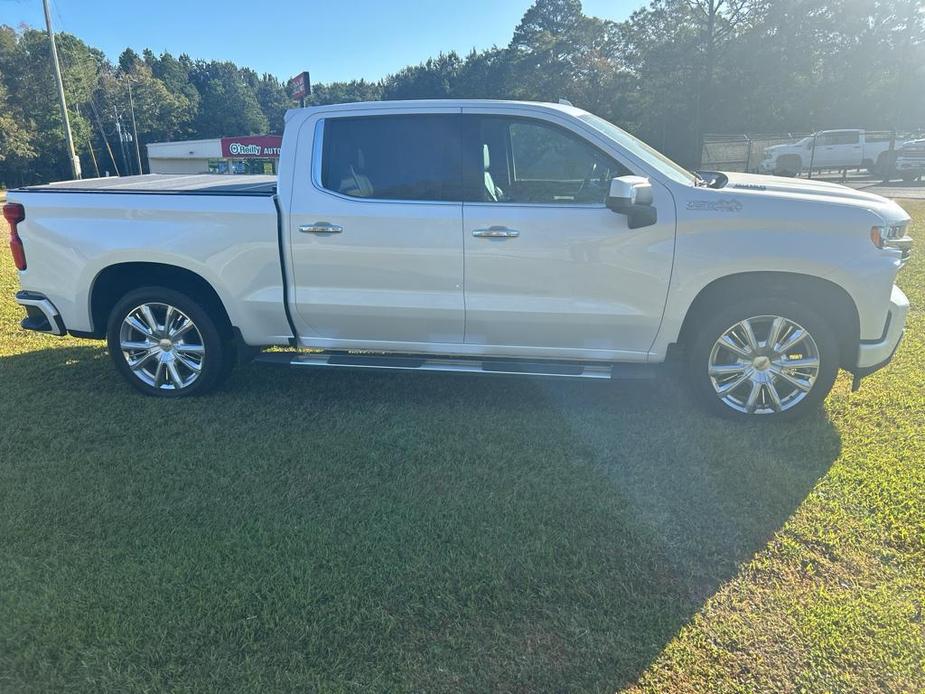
[[306, 530]]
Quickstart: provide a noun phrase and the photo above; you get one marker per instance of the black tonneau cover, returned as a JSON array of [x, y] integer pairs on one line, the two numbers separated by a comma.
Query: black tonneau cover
[[165, 184]]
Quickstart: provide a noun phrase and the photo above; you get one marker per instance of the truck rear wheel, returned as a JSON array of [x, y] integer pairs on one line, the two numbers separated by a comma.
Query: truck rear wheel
[[769, 357], [885, 166], [166, 344]]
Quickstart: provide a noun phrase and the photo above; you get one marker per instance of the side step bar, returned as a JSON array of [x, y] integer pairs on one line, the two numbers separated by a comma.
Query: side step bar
[[519, 367]]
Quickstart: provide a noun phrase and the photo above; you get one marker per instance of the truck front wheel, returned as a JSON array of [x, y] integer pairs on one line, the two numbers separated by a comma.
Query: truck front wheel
[[788, 165], [768, 357], [167, 344]]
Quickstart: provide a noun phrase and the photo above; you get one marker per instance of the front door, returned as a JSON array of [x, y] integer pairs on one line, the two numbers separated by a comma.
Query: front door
[[550, 270], [376, 235]]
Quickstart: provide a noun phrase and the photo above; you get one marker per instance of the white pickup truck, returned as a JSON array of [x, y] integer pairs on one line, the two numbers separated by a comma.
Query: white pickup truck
[[471, 236], [831, 149], [910, 160]]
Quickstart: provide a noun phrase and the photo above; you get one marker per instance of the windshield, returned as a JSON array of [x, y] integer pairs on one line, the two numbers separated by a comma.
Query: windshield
[[640, 149]]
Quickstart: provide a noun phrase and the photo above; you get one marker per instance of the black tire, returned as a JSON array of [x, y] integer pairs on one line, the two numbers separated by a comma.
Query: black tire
[[716, 321], [217, 350], [788, 165], [886, 164]]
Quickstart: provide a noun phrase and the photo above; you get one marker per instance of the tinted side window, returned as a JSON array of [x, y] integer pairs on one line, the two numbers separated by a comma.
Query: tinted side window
[[519, 160], [838, 138], [413, 157]]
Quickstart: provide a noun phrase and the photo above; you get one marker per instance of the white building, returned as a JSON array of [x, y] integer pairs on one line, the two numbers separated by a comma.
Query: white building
[[258, 154]]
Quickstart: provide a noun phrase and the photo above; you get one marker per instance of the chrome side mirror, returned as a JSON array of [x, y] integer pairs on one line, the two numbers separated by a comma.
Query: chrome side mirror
[[632, 196]]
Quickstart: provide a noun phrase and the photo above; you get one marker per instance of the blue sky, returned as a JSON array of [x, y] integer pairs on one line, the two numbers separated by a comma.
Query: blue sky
[[333, 40]]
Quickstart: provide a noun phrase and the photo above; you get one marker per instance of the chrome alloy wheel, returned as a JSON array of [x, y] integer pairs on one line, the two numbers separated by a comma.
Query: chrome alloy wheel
[[162, 346], [764, 365]]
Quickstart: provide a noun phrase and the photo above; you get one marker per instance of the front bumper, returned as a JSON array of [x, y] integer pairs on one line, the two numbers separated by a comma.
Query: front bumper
[[41, 314], [910, 165], [875, 354]]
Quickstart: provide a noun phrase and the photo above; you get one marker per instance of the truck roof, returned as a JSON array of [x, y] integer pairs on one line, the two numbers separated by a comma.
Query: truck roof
[[190, 184], [410, 104]]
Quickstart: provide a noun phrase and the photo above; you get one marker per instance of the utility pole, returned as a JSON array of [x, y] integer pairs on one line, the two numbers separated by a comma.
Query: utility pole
[[75, 160], [99, 123], [126, 162], [96, 166], [131, 102]]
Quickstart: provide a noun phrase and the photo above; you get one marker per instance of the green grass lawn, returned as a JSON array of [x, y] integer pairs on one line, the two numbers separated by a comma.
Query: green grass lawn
[[309, 531]]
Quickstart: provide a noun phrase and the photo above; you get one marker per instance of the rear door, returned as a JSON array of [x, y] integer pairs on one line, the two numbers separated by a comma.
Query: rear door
[[550, 270], [376, 232]]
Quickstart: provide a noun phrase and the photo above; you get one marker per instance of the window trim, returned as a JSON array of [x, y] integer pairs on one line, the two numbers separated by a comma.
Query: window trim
[[514, 116], [318, 153], [585, 134], [836, 134]]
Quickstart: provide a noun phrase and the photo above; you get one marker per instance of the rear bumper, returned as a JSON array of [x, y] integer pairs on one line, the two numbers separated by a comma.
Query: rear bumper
[[41, 314], [876, 354]]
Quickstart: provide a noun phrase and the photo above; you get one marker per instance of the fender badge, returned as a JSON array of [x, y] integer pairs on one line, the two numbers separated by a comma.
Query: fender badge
[[750, 186], [714, 206]]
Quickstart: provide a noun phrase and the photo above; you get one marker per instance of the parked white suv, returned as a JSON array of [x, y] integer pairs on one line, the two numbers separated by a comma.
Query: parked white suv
[[471, 236], [831, 149]]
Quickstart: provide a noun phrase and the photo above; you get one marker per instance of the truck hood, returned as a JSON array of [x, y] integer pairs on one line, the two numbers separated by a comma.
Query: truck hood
[[777, 149], [777, 186]]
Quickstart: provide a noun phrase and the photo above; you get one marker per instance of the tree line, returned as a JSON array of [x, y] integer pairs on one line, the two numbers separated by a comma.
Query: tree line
[[674, 70]]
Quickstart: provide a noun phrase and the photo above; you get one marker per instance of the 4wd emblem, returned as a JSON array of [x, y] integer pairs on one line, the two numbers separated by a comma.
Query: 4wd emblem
[[714, 206]]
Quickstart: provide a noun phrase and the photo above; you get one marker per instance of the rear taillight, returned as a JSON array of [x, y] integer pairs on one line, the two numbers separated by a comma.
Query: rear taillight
[[14, 213]]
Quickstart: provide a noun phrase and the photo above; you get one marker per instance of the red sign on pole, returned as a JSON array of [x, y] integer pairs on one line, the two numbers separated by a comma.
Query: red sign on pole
[[300, 86], [252, 147]]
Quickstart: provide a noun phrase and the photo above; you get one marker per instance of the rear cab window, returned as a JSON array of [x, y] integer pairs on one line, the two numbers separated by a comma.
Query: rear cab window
[[412, 157]]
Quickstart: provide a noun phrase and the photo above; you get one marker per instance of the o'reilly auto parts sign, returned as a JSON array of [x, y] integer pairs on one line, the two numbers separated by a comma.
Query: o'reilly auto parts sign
[[252, 147], [300, 86]]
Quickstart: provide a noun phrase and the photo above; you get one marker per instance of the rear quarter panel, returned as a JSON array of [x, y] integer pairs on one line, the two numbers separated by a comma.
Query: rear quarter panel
[[230, 241]]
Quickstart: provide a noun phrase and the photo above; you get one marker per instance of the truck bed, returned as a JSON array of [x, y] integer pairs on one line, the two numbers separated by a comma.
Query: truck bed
[[186, 184]]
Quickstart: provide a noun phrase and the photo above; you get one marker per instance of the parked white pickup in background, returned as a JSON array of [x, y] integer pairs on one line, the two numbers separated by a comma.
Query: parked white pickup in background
[[831, 149]]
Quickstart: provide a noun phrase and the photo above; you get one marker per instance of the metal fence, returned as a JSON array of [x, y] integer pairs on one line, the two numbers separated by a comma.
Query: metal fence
[[743, 152]]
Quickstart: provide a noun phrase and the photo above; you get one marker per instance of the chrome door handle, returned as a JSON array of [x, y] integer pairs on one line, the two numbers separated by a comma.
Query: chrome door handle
[[321, 228], [496, 233]]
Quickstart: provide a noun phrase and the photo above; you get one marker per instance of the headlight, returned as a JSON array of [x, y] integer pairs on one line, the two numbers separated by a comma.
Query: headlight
[[890, 236]]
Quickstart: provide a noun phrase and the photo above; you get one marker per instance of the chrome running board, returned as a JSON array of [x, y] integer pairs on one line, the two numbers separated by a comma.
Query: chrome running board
[[497, 366]]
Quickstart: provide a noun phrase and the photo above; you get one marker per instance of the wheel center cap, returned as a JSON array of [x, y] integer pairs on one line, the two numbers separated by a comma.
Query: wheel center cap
[[762, 363], [165, 344]]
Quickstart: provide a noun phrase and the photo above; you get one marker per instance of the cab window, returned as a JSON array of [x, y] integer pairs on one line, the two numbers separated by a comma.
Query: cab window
[[847, 137], [522, 160]]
